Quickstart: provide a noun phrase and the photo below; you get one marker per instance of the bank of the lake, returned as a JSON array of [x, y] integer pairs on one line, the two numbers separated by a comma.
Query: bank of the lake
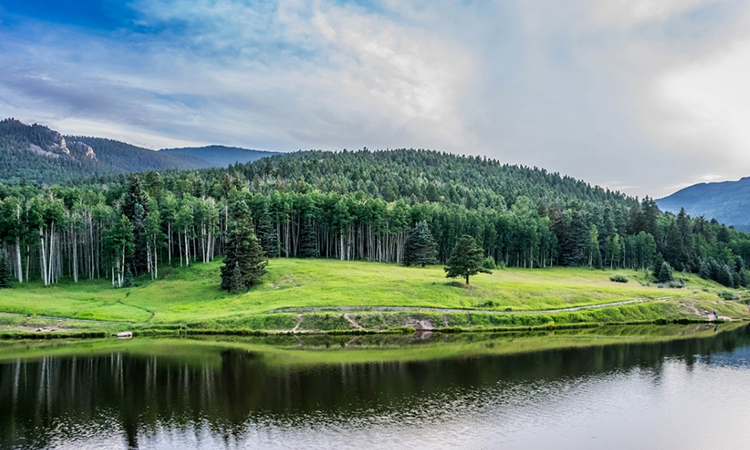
[[328, 296]]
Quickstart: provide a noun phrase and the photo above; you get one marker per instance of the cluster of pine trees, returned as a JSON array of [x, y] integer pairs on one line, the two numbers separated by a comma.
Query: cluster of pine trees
[[350, 206]]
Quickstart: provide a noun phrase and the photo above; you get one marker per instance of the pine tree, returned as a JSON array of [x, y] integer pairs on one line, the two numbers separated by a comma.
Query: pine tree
[[269, 239], [136, 208], [308, 244], [665, 273], [658, 263], [420, 248], [235, 281], [128, 278], [704, 270], [4, 274], [245, 260], [466, 259]]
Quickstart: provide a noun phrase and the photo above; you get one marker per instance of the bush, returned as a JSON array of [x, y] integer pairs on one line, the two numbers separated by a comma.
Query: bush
[[727, 295], [676, 284], [489, 263], [618, 278]]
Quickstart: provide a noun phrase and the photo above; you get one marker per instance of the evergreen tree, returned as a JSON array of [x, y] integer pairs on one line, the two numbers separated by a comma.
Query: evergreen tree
[[267, 235], [128, 278], [136, 208], [245, 262], [665, 273], [466, 259], [744, 278], [4, 274], [658, 263], [725, 276], [420, 248], [308, 244], [704, 270], [235, 284]]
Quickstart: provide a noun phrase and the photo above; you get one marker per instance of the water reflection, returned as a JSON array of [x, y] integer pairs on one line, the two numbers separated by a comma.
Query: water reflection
[[219, 394]]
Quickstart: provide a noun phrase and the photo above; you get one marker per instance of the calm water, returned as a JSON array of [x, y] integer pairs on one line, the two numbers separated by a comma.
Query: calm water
[[691, 392]]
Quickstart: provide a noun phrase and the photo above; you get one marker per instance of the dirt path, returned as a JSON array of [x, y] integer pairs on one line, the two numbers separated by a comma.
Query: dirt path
[[353, 321], [299, 321], [456, 310], [705, 314]]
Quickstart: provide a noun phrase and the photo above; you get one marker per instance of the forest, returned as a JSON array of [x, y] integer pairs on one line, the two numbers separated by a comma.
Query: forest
[[351, 205]]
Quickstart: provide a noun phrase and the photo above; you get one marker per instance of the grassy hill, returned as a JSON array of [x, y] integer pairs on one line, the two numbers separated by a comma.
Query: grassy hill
[[728, 202], [190, 297]]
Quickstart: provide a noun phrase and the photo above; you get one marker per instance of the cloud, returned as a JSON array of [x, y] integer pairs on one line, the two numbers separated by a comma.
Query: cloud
[[624, 94]]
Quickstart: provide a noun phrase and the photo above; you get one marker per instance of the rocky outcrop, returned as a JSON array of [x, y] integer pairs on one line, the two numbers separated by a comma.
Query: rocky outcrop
[[81, 150], [45, 142]]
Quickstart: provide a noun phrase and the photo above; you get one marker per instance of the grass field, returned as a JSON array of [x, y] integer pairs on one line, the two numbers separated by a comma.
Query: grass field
[[192, 295]]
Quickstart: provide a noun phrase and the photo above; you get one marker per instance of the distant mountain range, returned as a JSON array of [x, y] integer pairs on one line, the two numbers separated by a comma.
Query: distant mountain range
[[728, 202], [219, 155], [39, 154]]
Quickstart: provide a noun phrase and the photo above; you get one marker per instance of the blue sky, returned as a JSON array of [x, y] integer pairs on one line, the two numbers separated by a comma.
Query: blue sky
[[637, 95]]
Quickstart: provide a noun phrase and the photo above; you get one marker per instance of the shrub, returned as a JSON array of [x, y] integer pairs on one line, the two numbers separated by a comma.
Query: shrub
[[489, 263], [619, 278], [727, 295]]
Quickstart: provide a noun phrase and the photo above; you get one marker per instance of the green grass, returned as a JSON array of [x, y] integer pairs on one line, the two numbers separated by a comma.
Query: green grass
[[192, 296]]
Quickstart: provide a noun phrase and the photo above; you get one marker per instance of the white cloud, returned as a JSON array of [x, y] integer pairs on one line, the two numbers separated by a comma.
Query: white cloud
[[638, 95]]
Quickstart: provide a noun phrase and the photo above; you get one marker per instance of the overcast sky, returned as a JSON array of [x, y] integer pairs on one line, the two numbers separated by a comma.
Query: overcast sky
[[635, 95]]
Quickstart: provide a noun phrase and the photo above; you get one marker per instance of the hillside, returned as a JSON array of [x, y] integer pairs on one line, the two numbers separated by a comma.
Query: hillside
[[219, 155], [728, 202], [39, 154], [119, 157]]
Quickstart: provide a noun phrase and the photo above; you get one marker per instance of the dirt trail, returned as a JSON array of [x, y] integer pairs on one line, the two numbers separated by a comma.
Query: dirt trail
[[705, 314], [299, 321], [352, 320]]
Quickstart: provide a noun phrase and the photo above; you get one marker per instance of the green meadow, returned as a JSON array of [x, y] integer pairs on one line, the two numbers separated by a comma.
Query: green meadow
[[191, 298]]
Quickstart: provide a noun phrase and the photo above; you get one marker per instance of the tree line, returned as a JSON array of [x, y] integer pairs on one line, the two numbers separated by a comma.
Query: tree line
[[317, 204]]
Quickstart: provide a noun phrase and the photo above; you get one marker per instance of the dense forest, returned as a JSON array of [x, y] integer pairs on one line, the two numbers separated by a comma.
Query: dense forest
[[352, 206]]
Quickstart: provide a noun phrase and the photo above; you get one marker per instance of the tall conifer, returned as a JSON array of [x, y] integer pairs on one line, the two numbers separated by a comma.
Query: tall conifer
[[245, 260], [420, 248]]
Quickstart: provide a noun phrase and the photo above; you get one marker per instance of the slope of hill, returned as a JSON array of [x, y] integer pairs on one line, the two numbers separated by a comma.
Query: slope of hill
[[39, 154], [120, 157], [419, 175], [219, 155], [728, 202]]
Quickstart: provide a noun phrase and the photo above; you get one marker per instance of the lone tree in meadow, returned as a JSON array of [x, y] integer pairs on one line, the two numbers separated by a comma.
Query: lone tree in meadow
[[420, 248], [245, 261], [466, 259]]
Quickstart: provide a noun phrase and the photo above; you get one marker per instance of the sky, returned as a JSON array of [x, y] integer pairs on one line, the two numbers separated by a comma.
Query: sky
[[641, 96]]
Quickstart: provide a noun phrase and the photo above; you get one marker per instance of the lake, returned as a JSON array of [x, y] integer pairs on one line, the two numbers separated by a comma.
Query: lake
[[660, 387]]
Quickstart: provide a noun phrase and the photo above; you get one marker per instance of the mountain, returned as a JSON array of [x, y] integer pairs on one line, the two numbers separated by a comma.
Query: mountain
[[219, 155], [39, 154], [728, 202]]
